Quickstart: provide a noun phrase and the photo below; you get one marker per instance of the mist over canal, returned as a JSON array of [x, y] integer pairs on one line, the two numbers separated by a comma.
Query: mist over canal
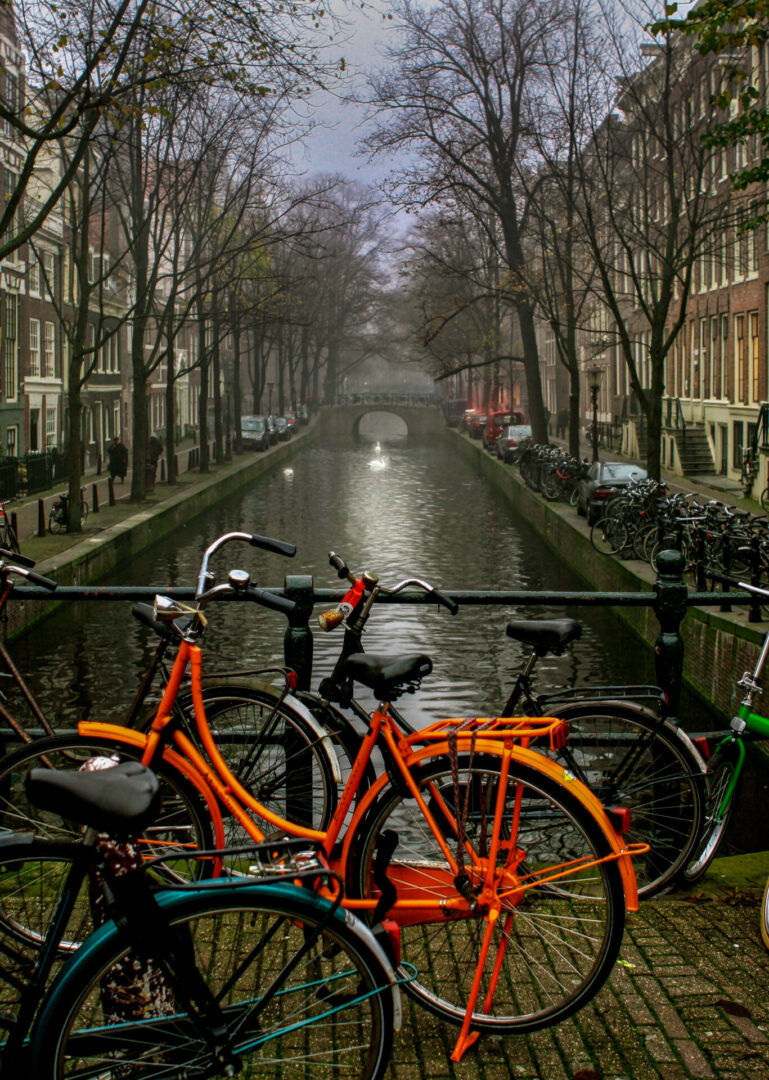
[[405, 510]]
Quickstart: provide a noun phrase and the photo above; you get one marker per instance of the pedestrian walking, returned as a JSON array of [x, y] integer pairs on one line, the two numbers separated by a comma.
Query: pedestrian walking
[[562, 423], [118, 459]]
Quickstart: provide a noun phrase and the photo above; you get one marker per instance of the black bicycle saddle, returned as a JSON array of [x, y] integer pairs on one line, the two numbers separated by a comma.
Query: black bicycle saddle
[[121, 800], [388, 676]]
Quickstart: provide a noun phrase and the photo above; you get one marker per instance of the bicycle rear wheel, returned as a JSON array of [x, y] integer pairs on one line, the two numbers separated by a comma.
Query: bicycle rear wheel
[[331, 1017], [183, 825], [609, 535], [555, 943], [631, 759]]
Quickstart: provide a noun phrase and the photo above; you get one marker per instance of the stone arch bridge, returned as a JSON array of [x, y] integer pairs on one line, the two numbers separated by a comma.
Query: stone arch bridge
[[422, 421]]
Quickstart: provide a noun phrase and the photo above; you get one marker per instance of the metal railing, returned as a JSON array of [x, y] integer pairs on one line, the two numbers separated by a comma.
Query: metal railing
[[669, 597]]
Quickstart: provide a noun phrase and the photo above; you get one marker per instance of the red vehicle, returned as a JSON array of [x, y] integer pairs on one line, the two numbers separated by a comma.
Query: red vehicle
[[496, 424]]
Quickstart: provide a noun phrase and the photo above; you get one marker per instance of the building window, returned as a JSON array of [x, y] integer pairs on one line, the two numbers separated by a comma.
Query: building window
[[740, 382], [12, 440], [34, 346], [34, 430], [50, 428], [34, 273], [715, 365], [49, 269], [722, 351], [49, 351], [11, 350], [10, 180], [754, 364]]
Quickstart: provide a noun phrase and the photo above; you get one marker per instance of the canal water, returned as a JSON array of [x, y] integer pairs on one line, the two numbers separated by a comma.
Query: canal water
[[400, 511], [394, 508]]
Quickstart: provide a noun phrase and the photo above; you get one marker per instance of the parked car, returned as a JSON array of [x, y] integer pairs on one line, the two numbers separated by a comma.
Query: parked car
[[284, 430], [496, 423], [303, 414], [513, 437], [293, 423], [467, 418], [253, 433], [604, 481], [477, 425]]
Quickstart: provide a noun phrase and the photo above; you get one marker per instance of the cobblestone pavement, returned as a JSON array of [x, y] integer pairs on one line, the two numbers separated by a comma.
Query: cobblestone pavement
[[689, 998]]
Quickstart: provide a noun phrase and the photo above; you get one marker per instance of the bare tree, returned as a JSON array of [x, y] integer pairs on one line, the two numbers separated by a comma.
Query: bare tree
[[459, 96]]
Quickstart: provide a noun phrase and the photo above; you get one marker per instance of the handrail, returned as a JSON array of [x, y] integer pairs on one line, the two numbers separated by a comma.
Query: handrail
[[669, 597]]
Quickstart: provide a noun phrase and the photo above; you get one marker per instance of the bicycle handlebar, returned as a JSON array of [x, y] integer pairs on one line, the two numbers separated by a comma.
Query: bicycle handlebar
[[279, 547], [37, 579], [20, 560]]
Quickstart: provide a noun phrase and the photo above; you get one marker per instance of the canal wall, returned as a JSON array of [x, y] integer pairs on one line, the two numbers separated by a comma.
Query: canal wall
[[100, 553], [718, 646]]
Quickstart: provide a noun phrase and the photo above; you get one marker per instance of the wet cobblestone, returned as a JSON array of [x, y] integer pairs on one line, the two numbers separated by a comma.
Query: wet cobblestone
[[689, 1000]]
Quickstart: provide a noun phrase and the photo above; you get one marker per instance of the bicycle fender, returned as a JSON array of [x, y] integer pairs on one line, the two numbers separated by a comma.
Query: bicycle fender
[[633, 708], [177, 902], [298, 707], [138, 739], [538, 762]]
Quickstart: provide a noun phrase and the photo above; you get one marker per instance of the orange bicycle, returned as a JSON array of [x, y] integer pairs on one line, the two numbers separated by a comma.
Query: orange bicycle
[[496, 873]]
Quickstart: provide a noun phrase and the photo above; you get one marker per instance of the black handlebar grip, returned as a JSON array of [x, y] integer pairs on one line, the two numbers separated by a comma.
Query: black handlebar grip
[[45, 582], [452, 605], [279, 547], [272, 600], [338, 564], [20, 560]]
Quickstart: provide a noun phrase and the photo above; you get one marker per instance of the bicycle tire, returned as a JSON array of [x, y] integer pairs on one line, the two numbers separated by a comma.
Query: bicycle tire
[[333, 1016], [10, 539], [721, 769], [765, 499], [55, 523], [608, 536], [564, 939], [32, 876], [293, 775], [765, 915], [183, 825], [630, 758]]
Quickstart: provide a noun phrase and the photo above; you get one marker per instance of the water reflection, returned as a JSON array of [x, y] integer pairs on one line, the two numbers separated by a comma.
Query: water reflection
[[426, 515]]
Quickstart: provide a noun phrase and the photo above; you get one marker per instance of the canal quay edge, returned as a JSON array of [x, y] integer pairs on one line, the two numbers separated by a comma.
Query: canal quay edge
[[100, 552], [718, 646]]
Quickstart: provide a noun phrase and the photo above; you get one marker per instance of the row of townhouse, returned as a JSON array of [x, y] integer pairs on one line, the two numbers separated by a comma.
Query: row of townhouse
[[36, 291], [717, 372]]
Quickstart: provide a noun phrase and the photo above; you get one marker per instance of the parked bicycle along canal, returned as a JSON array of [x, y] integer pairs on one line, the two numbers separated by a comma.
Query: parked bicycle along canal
[[397, 509]]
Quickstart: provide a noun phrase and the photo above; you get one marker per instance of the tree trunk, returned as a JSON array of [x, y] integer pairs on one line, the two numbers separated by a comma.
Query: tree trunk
[[236, 406], [216, 358]]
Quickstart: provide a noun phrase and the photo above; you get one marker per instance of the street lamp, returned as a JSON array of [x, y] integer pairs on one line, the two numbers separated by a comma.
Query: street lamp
[[594, 376]]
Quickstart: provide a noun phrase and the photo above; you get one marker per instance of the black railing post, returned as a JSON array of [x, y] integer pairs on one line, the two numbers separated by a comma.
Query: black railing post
[[297, 640], [754, 611], [699, 558], [670, 607]]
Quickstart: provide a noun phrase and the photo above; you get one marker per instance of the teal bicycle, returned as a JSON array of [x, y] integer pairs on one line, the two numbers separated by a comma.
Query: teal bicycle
[[251, 975]]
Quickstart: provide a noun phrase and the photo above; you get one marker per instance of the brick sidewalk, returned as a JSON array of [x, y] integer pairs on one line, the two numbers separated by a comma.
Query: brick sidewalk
[[689, 998]]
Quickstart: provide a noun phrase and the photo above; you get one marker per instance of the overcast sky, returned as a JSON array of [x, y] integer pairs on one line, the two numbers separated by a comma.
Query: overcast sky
[[333, 145]]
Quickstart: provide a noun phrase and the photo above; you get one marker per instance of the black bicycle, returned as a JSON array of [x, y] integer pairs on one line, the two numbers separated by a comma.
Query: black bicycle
[[58, 519]]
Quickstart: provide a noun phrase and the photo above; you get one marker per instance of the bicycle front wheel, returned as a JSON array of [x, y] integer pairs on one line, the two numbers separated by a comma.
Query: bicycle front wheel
[[285, 762], [553, 944], [609, 535], [182, 827], [331, 1015], [721, 770]]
